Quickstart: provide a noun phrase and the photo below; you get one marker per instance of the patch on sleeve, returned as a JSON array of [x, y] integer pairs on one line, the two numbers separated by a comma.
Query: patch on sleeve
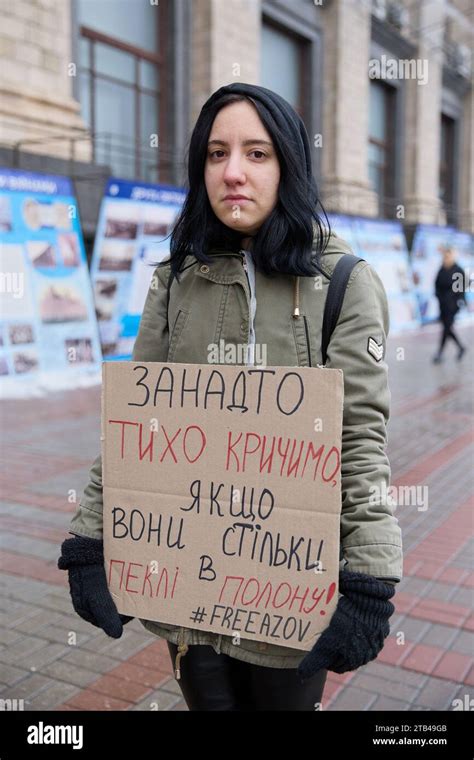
[[375, 349]]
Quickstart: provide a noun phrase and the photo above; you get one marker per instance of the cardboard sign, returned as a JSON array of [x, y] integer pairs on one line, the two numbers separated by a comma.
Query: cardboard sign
[[222, 496]]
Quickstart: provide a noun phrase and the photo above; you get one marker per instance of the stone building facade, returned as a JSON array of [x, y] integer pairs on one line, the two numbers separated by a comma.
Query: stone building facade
[[384, 146]]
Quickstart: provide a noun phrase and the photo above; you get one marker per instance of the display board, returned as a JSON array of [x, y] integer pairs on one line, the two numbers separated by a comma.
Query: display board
[[135, 221], [48, 330], [383, 245]]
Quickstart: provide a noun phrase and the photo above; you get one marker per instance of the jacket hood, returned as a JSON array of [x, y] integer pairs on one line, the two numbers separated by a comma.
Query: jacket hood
[[335, 246], [289, 122]]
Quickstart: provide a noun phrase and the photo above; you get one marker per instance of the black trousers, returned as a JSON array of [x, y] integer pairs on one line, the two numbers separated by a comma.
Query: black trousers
[[211, 681], [447, 320]]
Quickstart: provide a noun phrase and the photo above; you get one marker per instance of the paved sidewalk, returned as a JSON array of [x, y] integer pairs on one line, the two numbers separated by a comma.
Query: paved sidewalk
[[51, 659]]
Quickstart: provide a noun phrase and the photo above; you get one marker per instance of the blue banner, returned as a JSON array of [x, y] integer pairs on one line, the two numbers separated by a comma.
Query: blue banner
[[383, 245], [48, 329], [134, 223]]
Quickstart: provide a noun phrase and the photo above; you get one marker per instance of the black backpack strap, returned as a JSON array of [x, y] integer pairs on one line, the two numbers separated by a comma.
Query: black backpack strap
[[335, 297]]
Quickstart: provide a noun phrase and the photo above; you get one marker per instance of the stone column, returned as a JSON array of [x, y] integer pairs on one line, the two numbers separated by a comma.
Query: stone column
[[423, 124], [346, 187], [226, 46], [36, 79]]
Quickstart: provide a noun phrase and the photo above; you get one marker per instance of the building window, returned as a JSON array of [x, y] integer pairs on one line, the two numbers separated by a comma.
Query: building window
[[446, 167], [381, 146], [283, 67], [120, 71]]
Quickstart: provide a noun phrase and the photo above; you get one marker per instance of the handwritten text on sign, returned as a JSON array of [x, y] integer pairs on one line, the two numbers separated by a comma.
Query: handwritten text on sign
[[222, 496]]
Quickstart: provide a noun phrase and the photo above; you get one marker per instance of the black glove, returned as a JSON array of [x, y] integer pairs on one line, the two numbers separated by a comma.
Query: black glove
[[358, 627], [84, 559]]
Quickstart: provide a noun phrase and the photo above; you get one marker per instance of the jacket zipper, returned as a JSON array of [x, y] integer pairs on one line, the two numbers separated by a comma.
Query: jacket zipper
[[244, 265], [307, 340]]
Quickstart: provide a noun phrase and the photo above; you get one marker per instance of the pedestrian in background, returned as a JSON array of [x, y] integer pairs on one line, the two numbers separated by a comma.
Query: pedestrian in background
[[450, 298]]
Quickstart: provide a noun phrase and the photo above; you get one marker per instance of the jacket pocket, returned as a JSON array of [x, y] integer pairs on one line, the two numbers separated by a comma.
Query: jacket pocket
[[177, 331]]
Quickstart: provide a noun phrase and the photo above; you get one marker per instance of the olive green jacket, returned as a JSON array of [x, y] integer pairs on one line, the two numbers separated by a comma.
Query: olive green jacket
[[212, 303]]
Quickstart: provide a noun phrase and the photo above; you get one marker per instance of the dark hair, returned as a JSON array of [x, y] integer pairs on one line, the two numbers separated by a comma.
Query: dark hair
[[285, 241]]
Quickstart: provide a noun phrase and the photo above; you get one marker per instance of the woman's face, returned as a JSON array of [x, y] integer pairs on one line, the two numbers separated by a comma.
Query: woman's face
[[241, 161]]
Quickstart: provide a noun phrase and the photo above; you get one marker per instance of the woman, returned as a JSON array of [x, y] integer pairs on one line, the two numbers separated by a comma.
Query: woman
[[248, 255]]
